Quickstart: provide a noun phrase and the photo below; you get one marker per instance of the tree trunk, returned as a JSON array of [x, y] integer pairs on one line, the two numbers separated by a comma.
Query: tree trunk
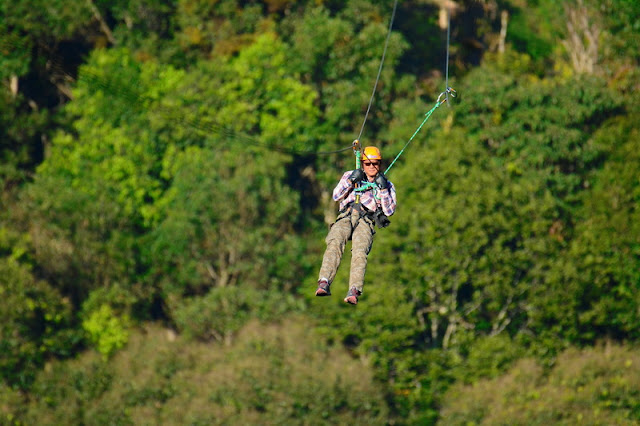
[[582, 41], [13, 84], [504, 22]]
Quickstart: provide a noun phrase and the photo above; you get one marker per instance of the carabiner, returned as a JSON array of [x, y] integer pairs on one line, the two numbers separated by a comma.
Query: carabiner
[[450, 91]]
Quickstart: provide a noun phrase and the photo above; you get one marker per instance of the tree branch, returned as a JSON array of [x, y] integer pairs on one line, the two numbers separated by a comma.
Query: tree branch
[[103, 25]]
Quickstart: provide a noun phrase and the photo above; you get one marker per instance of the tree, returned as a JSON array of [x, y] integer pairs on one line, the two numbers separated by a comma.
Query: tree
[[37, 324], [228, 219], [89, 201], [595, 290]]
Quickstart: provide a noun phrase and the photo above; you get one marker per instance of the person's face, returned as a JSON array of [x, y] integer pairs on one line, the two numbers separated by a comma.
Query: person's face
[[371, 167]]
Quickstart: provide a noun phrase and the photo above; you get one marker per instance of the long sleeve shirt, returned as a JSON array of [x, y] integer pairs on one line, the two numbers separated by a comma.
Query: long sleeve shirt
[[372, 198]]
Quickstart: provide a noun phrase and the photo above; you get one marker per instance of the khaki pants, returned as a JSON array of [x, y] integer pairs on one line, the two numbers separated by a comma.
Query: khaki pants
[[361, 231]]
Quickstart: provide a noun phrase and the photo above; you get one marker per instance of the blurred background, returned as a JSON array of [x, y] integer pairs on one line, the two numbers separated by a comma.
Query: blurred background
[[166, 170]]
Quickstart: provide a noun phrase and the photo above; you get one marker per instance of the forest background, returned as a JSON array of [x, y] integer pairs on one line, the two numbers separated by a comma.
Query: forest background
[[166, 188]]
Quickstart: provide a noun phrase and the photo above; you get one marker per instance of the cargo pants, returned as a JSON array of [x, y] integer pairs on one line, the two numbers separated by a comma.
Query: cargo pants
[[360, 229]]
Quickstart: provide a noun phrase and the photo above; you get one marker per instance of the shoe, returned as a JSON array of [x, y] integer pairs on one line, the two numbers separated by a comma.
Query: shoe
[[323, 288], [352, 296]]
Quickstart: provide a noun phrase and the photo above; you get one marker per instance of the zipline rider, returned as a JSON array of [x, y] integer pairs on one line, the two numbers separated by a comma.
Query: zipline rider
[[366, 198]]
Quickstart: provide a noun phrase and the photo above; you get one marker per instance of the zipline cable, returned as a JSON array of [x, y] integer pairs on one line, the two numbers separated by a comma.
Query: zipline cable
[[356, 142], [448, 91], [384, 52], [446, 83]]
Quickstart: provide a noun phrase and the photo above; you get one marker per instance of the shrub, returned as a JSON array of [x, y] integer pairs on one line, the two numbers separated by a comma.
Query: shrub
[[106, 318], [36, 324], [220, 313], [280, 373], [590, 386], [106, 331]]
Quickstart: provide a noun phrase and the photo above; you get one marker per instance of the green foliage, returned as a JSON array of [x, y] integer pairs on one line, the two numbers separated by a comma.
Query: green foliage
[[90, 198], [81, 240], [62, 392], [271, 374], [621, 23], [512, 63], [201, 244], [463, 258], [106, 331], [263, 96], [19, 137], [339, 54], [37, 324], [597, 282], [524, 30], [106, 319], [463, 251], [162, 195], [12, 406], [249, 239], [15, 59], [485, 209], [543, 124], [593, 386], [489, 357], [217, 315], [29, 33], [116, 152], [201, 31], [62, 18], [313, 37]]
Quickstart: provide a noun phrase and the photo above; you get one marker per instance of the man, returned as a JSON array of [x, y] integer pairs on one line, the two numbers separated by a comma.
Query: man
[[359, 211]]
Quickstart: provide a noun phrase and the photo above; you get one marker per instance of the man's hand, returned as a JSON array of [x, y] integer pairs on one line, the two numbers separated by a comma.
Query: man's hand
[[356, 176], [382, 181]]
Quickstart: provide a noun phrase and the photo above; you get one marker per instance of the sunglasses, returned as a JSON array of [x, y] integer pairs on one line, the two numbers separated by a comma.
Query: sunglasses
[[371, 163]]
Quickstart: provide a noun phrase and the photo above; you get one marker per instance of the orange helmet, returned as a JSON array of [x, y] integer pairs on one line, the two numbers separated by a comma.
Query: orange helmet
[[371, 153]]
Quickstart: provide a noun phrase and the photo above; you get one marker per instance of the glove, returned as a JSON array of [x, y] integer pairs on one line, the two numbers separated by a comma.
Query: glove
[[382, 181], [381, 219], [356, 176]]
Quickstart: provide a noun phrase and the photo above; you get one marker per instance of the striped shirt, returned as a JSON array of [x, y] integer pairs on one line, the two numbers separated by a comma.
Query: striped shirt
[[371, 198]]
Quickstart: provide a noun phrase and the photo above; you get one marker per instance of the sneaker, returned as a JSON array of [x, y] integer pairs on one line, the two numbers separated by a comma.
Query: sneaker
[[323, 288], [352, 296]]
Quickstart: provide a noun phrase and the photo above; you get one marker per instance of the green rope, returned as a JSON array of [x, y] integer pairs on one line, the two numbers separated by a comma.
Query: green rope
[[427, 115], [366, 187]]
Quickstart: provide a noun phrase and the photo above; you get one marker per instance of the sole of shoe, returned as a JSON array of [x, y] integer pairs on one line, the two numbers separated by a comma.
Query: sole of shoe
[[352, 300], [322, 292]]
